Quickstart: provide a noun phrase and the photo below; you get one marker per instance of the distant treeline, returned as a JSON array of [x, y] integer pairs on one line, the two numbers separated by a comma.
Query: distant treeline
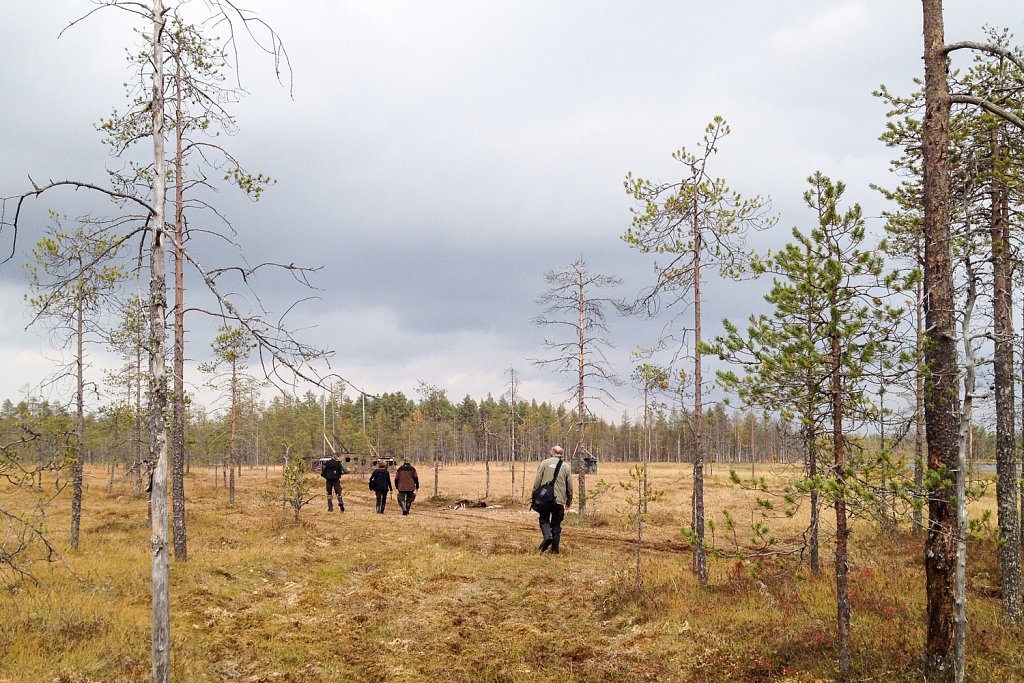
[[393, 424]]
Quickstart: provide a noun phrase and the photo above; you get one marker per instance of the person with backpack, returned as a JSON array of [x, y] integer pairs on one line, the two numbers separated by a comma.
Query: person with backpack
[[407, 482], [552, 494], [331, 470], [380, 483]]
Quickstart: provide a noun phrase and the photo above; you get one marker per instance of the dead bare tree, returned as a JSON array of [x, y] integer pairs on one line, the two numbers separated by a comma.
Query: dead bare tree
[[570, 304]]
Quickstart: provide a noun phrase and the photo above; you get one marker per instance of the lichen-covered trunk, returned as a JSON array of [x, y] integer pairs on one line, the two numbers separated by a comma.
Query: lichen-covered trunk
[[700, 560], [941, 393], [161, 613], [76, 476], [963, 448], [1006, 448], [178, 398]]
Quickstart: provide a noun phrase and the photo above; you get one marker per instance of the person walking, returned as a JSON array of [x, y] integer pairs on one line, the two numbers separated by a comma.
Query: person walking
[[556, 472], [407, 482], [380, 483], [331, 470]]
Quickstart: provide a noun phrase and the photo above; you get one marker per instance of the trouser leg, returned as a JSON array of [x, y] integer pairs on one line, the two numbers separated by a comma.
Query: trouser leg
[[330, 503], [556, 527], [545, 530], [382, 498], [337, 490]]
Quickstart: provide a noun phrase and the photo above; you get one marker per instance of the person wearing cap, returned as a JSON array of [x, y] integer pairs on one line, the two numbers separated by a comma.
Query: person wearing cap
[[380, 483], [407, 482], [551, 520]]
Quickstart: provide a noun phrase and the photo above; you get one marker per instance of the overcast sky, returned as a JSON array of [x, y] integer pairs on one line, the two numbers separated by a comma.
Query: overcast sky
[[437, 158]]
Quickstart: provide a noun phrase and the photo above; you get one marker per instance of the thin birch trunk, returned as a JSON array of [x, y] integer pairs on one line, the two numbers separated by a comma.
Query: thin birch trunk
[[161, 637], [178, 398], [964, 444]]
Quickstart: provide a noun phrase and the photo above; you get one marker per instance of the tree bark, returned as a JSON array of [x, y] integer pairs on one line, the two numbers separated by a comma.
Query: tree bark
[[178, 398], [581, 401], [1006, 447], [941, 390], [161, 614], [916, 523], [843, 607], [233, 448], [964, 442], [812, 471], [700, 560], [76, 476]]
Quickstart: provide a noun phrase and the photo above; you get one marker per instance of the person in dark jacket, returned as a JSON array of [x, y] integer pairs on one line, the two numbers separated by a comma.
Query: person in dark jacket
[[331, 470], [554, 470], [380, 483], [407, 482]]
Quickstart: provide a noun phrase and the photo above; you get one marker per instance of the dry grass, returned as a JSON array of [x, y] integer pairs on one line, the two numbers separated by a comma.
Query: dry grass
[[463, 595]]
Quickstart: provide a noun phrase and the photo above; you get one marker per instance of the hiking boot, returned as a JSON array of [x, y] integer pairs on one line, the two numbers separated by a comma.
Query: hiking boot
[[330, 506], [548, 538]]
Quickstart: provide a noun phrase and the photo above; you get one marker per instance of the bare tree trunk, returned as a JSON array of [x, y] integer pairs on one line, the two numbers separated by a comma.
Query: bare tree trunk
[[76, 477], [941, 390], [811, 434], [1006, 447], [700, 560], [161, 637], [140, 458], [919, 407], [963, 448], [512, 429], [581, 403], [233, 448], [812, 471], [646, 459], [843, 607], [178, 399], [284, 479]]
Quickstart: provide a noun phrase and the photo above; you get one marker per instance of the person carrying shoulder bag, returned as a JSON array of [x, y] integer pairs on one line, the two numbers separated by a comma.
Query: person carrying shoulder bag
[[552, 489]]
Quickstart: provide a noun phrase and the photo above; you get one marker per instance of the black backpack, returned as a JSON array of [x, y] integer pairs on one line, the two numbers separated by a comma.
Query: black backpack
[[544, 495]]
